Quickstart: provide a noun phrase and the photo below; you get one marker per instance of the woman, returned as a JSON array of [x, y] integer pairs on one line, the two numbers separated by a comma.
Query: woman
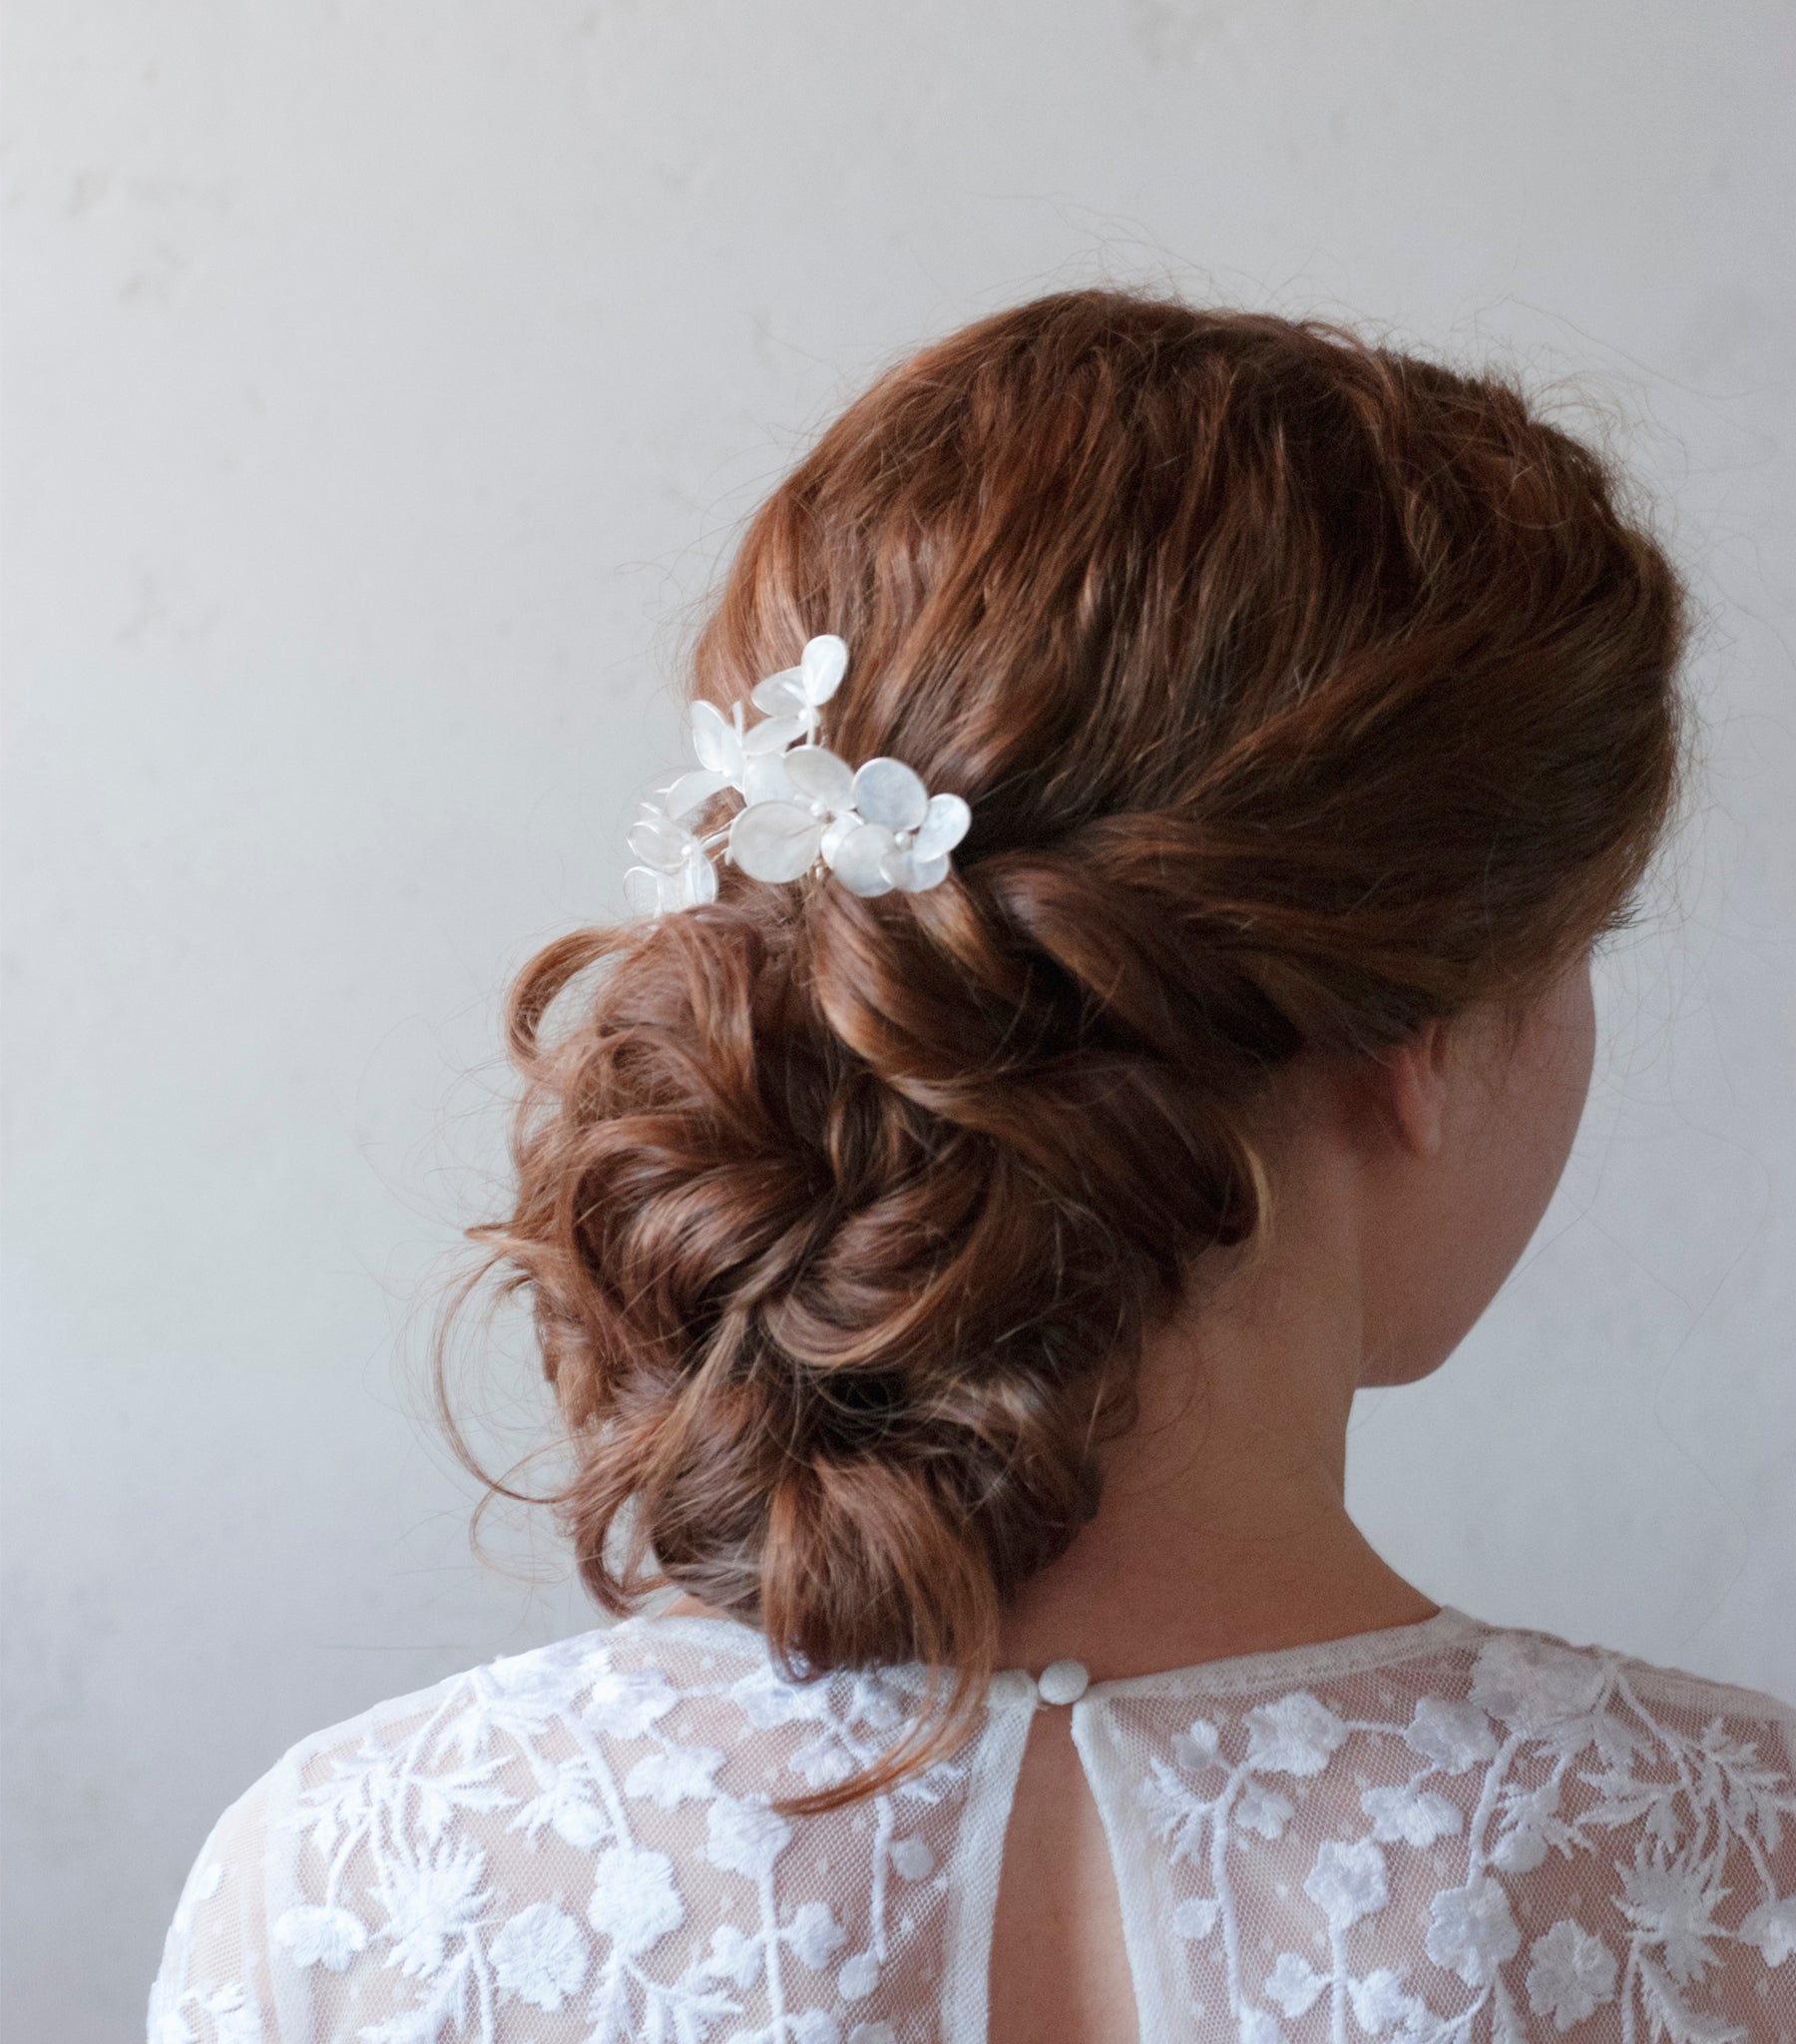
[[958, 1212]]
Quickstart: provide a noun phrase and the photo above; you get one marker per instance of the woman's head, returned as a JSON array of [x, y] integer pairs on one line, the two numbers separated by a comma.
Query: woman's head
[[1303, 693]]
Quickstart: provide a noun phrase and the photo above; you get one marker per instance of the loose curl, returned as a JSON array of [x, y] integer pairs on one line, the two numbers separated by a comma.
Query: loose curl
[[1302, 692]]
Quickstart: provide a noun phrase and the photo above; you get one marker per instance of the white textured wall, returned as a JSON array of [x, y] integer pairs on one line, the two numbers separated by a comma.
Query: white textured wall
[[384, 380]]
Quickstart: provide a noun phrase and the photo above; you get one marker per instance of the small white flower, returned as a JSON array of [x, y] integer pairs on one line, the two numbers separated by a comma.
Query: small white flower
[[1409, 1815], [822, 1762], [767, 1700], [730, 755], [1197, 1748], [781, 837], [1295, 1736], [876, 828], [675, 868], [913, 1859], [1531, 1826], [734, 1955], [863, 1696], [1470, 1931], [1348, 1881], [233, 2014], [1772, 1927], [635, 1901], [1263, 1810], [626, 1701], [540, 1956], [320, 1937], [1454, 1736], [1672, 1908], [745, 1838], [675, 871], [903, 836], [1257, 2027], [1378, 2002], [858, 1977], [815, 1935], [531, 1690], [567, 1804], [1535, 1686], [1196, 1916], [432, 1900], [678, 1774], [1570, 1974], [1294, 1984], [799, 692]]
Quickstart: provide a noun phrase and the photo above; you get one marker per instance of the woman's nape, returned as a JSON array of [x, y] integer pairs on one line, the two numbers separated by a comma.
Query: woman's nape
[[1405, 1189]]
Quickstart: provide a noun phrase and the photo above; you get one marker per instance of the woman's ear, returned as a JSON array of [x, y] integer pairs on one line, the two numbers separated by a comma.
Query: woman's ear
[[1415, 1088]]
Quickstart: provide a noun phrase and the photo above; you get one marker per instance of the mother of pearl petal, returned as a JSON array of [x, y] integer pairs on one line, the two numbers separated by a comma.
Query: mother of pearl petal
[[823, 665], [775, 841], [692, 790], [816, 772], [887, 791], [714, 738], [764, 779], [860, 857], [697, 879], [944, 826], [642, 890], [915, 875], [836, 830], [779, 692]]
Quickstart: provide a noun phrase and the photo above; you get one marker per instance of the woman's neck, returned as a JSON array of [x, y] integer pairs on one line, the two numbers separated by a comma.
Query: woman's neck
[[1223, 1525]]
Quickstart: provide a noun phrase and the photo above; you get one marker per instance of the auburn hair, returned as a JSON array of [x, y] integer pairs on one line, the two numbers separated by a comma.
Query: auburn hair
[[1302, 690]]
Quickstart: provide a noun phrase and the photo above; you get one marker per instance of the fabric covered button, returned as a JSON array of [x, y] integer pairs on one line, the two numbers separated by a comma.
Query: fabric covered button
[[1063, 1682]]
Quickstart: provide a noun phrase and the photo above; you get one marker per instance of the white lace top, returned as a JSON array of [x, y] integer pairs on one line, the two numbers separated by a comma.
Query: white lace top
[[1436, 1835]]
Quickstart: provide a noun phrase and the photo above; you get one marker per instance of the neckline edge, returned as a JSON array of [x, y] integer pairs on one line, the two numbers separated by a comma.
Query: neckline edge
[[1306, 1660]]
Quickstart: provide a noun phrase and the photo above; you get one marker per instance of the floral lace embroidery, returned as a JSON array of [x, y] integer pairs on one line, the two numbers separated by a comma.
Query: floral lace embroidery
[[435, 1915], [1564, 1755], [1503, 1839]]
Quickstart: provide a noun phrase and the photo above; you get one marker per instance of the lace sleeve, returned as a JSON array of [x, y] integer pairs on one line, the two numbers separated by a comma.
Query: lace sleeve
[[214, 1986]]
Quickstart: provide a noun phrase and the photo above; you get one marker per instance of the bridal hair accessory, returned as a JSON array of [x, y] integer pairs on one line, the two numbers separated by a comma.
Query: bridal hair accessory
[[876, 826]]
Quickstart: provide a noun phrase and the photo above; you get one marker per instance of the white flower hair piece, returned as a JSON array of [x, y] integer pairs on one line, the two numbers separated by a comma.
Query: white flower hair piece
[[876, 828]]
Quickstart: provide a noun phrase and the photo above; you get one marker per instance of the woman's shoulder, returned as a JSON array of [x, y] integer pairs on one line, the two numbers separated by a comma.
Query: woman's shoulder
[[614, 1680], [556, 1825], [1528, 1668], [1486, 1829]]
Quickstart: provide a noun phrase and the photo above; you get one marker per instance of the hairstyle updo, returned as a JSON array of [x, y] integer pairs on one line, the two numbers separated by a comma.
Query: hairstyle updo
[[1302, 692]]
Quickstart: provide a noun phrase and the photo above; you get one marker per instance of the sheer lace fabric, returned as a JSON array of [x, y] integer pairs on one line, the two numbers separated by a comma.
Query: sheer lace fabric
[[1438, 1834]]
